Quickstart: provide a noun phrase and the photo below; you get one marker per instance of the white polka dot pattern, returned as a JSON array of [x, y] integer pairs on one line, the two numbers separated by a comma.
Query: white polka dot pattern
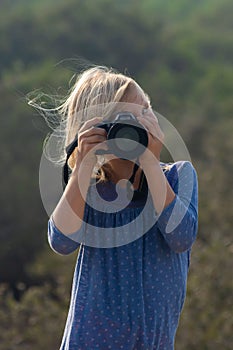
[[131, 297]]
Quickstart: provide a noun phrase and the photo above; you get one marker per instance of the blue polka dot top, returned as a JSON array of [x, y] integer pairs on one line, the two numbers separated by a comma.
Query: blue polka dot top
[[129, 283]]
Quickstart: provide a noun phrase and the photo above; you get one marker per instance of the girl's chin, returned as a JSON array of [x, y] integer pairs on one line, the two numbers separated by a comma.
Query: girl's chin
[[119, 161]]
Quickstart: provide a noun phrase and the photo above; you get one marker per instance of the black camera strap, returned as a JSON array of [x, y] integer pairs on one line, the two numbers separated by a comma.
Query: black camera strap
[[135, 169], [142, 188], [66, 170]]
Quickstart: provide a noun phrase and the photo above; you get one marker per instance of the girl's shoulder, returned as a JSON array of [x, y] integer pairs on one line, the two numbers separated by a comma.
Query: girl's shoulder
[[176, 166], [179, 170]]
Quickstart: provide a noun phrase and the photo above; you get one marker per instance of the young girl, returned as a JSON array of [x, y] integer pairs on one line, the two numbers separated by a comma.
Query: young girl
[[129, 284]]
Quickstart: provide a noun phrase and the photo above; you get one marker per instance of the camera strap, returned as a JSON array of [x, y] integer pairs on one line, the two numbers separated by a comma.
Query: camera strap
[[142, 188], [66, 170], [135, 169]]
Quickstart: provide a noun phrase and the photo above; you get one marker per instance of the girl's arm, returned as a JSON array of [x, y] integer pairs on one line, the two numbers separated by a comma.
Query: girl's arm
[[67, 218], [162, 192], [69, 212], [176, 204], [160, 189], [178, 219]]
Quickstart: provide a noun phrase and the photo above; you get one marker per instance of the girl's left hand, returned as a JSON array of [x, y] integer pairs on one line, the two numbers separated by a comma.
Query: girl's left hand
[[155, 137]]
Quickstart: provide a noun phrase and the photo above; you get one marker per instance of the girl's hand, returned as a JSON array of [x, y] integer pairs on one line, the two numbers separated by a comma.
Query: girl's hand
[[155, 137], [90, 138]]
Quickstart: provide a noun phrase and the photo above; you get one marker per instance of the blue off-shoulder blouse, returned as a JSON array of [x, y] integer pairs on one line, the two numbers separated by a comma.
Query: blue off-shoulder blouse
[[129, 283]]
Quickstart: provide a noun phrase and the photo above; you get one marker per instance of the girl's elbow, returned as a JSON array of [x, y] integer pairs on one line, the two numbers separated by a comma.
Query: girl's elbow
[[182, 241], [60, 247], [60, 243]]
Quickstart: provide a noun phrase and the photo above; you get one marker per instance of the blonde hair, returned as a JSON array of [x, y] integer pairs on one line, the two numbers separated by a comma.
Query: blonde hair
[[96, 93]]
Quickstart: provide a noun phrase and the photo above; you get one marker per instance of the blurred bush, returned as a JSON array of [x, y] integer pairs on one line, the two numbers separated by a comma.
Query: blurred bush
[[181, 53]]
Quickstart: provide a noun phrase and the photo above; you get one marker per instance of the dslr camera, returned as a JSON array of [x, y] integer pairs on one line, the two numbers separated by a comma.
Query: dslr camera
[[128, 138]]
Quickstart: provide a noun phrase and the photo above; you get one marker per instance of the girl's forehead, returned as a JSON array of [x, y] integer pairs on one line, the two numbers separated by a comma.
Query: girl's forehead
[[136, 95]]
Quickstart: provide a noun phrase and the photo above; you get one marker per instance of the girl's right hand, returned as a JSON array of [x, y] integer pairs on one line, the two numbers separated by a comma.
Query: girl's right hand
[[90, 138], [68, 214]]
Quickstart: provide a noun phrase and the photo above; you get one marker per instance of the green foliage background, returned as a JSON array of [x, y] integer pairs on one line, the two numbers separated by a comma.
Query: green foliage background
[[181, 53]]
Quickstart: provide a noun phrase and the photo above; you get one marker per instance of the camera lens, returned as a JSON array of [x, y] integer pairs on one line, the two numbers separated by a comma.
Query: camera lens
[[127, 141], [124, 138]]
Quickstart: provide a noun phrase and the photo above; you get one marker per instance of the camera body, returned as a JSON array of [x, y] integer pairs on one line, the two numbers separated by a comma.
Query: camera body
[[127, 137]]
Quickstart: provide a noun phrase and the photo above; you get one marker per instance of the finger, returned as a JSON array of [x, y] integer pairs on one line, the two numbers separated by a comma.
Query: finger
[[149, 118], [94, 139], [147, 124], [90, 140], [153, 128], [92, 147], [92, 131], [149, 121], [102, 146], [89, 123]]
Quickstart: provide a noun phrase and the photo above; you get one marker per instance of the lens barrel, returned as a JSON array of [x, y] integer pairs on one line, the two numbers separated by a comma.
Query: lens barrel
[[127, 141], [127, 137]]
